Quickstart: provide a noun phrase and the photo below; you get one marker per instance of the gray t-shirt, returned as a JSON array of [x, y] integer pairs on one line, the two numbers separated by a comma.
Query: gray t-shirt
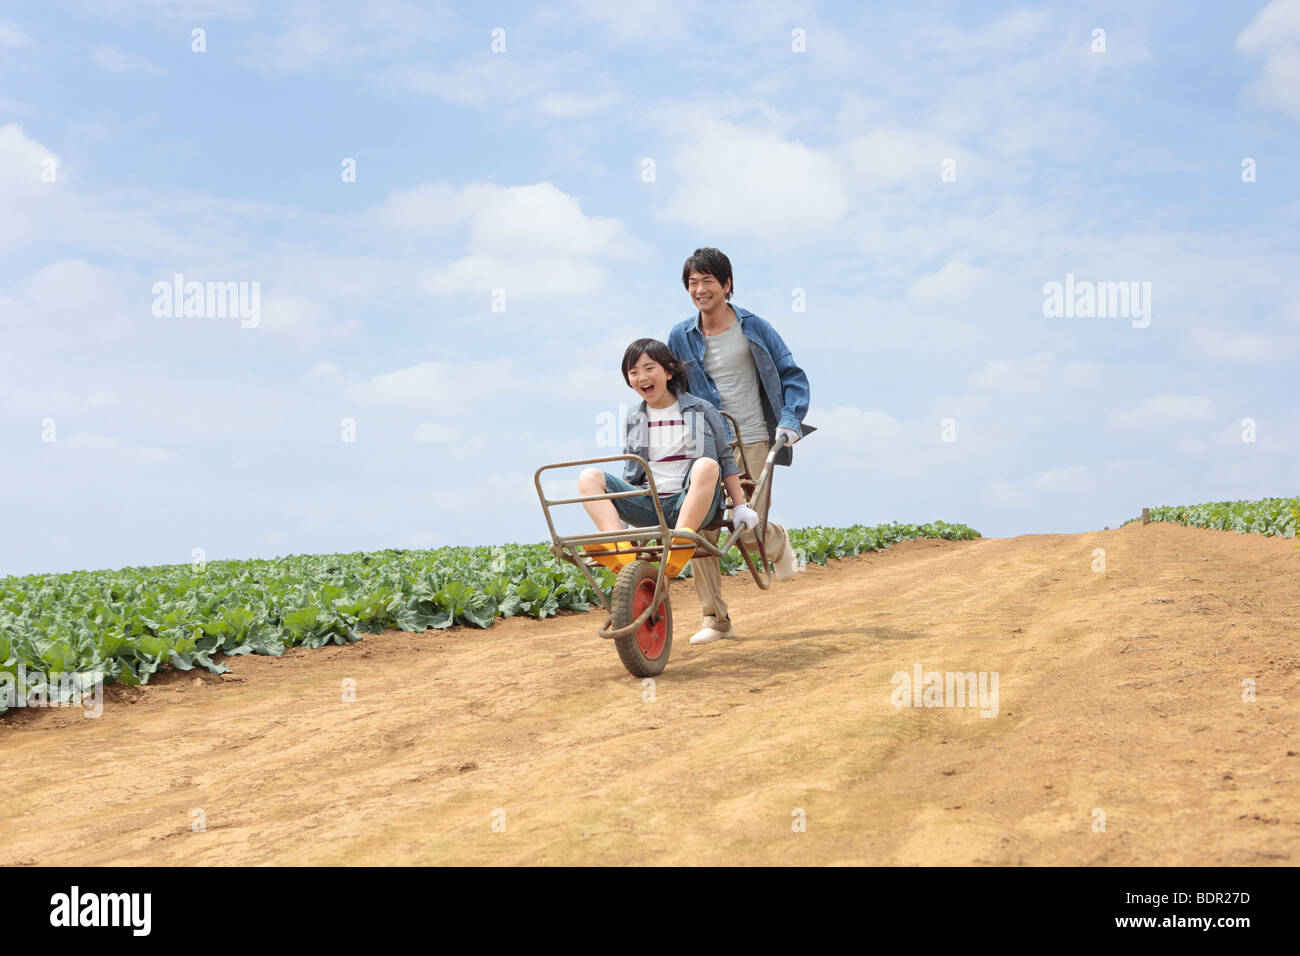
[[731, 365]]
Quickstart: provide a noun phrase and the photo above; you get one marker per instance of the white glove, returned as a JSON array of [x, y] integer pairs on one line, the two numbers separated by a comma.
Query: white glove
[[791, 436], [744, 517]]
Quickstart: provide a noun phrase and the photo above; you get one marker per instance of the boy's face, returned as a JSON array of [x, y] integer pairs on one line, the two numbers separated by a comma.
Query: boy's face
[[650, 380], [705, 290]]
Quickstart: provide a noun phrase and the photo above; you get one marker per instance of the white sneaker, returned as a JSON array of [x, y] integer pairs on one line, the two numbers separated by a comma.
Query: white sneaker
[[707, 635], [787, 567]]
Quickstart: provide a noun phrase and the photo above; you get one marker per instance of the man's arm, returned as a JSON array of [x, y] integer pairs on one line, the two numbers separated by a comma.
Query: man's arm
[[794, 383], [734, 490]]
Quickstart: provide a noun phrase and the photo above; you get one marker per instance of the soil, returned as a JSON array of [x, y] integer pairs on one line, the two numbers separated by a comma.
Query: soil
[[1121, 701]]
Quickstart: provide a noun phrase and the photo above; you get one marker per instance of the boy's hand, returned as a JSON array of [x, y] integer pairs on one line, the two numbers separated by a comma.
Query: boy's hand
[[791, 436], [744, 516]]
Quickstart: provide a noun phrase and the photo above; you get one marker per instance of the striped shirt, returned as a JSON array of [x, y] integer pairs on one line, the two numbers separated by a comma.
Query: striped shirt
[[669, 449]]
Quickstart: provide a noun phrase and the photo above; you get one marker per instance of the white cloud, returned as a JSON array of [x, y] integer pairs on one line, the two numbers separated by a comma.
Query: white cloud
[[859, 427], [537, 219], [883, 158], [115, 61], [302, 320], [11, 35], [1230, 345], [542, 278], [110, 447], [1276, 24], [1005, 494], [852, 439], [512, 494], [1275, 33], [311, 36], [653, 23], [566, 105], [70, 304], [322, 371], [1055, 483], [434, 433], [482, 80], [750, 180], [531, 241], [436, 387], [1080, 374], [1061, 481], [1161, 411], [951, 284], [1020, 376], [27, 201], [1007, 37], [1031, 374]]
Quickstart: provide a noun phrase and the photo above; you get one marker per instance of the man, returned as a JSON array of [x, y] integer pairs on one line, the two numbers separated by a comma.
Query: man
[[739, 363]]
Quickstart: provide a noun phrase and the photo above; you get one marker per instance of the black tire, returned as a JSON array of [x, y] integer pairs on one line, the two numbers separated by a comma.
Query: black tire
[[631, 581]]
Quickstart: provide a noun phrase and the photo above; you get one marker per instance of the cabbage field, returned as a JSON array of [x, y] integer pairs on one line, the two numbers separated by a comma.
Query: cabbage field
[[127, 624], [1268, 516]]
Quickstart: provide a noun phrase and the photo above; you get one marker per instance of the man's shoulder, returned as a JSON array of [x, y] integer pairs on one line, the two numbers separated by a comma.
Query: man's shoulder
[[684, 326], [760, 328], [750, 320]]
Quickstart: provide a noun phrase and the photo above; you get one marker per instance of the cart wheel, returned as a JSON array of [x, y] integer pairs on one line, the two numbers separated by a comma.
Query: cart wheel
[[644, 651]]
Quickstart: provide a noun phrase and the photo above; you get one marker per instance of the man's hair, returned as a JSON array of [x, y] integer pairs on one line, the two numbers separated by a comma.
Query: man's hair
[[661, 354], [711, 262]]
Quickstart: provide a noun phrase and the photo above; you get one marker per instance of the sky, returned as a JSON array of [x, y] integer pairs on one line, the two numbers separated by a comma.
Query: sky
[[449, 221]]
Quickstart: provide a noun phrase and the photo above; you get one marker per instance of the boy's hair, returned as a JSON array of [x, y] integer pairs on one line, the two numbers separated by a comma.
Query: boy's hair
[[711, 262], [661, 354]]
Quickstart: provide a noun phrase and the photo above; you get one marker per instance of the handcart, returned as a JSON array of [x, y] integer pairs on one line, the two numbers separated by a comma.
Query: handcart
[[640, 617]]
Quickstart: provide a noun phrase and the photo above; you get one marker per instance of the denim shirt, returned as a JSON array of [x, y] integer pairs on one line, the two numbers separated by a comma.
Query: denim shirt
[[784, 385], [706, 430]]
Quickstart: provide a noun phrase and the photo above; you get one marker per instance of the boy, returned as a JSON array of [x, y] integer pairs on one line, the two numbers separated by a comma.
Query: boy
[[684, 440]]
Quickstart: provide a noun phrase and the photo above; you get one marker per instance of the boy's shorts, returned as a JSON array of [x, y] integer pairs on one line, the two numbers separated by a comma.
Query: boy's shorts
[[640, 512]]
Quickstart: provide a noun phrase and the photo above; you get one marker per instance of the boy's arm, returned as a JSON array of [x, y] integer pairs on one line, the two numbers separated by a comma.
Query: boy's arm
[[633, 440], [723, 455], [721, 451]]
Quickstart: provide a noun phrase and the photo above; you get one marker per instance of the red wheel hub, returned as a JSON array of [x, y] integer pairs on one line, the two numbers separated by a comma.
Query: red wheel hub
[[653, 634]]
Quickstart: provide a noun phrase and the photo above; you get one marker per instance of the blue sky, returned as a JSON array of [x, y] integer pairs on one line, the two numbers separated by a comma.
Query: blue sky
[[525, 170]]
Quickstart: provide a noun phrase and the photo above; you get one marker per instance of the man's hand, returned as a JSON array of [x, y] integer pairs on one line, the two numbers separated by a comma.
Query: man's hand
[[744, 517], [791, 436]]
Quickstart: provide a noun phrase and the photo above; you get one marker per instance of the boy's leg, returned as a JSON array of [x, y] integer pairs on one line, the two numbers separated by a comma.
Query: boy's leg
[[606, 516], [700, 492], [702, 487], [603, 513]]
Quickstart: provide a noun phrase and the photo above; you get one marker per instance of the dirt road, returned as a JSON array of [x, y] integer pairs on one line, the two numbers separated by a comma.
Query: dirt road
[[1119, 699]]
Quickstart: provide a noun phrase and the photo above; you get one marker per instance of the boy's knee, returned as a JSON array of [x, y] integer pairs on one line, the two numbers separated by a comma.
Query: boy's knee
[[591, 481], [706, 468]]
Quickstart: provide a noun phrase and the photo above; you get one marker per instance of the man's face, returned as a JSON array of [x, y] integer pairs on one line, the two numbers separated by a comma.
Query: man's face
[[705, 290]]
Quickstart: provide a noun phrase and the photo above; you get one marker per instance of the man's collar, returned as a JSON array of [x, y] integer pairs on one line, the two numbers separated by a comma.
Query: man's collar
[[740, 317]]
